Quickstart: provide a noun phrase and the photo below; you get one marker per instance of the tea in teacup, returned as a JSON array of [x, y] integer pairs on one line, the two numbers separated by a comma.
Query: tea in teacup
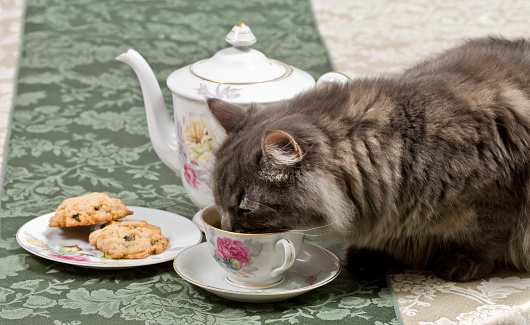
[[251, 260]]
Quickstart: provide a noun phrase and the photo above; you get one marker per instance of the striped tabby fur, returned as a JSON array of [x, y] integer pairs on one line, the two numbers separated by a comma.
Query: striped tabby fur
[[430, 167]]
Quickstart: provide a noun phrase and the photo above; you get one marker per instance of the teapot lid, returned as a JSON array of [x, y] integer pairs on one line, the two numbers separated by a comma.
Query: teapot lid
[[239, 74], [240, 64]]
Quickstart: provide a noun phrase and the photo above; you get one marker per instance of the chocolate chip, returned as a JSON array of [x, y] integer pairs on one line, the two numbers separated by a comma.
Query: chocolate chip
[[129, 238], [96, 208], [76, 217]]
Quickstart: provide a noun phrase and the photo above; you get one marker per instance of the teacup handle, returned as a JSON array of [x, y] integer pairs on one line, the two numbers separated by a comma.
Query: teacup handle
[[290, 256]]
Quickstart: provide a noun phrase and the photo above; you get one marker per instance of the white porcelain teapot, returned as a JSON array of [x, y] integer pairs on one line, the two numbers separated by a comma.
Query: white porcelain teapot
[[237, 74]]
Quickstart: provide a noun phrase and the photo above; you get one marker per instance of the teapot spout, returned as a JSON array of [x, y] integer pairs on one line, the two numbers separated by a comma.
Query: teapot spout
[[161, 127]]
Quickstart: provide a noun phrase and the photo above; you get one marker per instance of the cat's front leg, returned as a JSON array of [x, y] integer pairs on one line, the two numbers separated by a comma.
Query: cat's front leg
[[368, 261], [474, 258], [459, 267], [450, 266]]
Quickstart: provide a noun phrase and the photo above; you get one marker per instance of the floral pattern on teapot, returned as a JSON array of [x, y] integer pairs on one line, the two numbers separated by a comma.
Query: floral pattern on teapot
[[220, 92], [196, 137]]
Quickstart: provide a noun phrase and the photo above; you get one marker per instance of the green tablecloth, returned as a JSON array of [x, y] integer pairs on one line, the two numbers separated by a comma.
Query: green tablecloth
[[79, 126]]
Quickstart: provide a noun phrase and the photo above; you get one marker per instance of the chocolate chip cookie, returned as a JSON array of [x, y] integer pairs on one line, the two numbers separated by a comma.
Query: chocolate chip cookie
[[88, 209], [129, 239]]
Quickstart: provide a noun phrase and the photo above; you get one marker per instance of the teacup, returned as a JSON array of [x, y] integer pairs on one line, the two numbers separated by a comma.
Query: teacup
[[251, 260]]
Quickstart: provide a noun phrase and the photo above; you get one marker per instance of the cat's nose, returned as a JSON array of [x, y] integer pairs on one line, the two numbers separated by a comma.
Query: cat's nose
[[227, 224]]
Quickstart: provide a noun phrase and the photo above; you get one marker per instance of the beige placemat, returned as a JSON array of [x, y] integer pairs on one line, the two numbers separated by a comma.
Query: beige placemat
[[502, 298], [380, 36]]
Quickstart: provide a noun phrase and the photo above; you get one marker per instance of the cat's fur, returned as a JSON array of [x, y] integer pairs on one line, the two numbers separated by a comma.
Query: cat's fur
[[430, 167]]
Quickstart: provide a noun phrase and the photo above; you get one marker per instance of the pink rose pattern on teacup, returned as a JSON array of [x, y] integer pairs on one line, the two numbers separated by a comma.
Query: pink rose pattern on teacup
[[232, 253], [235, 255]]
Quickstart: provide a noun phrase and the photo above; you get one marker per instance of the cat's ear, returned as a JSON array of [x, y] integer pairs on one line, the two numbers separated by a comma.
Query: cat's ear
[[228, 115], [280, 148]]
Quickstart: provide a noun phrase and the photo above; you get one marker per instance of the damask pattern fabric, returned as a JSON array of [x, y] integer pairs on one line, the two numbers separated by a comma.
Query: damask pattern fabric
[[79, 126], [501, 298]]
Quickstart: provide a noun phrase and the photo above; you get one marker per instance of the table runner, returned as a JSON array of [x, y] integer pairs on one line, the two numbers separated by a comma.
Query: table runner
[[79, 126]]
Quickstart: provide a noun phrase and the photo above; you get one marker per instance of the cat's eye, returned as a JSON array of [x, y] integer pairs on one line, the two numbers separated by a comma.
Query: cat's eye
[[243, 212]]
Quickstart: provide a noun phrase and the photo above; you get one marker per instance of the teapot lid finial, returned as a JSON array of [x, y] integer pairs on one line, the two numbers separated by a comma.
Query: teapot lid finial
[[241, 36], [240, 64]]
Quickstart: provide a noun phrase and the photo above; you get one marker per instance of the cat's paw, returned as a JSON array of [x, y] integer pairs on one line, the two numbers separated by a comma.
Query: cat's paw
[[458, 267], [367, 261]]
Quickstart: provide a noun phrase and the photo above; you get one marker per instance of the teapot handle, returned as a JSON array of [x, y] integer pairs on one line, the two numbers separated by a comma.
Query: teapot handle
[[333, 77]]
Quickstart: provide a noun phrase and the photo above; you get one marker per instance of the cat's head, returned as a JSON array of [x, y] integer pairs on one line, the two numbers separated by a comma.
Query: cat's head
[[273, 170]]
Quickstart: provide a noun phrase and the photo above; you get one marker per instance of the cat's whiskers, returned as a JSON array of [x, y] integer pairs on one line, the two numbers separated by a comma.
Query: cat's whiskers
[[321, 233], [315, 228], [264, 205]]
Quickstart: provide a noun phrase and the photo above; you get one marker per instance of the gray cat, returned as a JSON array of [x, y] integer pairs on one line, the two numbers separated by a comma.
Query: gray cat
[[430, 168]]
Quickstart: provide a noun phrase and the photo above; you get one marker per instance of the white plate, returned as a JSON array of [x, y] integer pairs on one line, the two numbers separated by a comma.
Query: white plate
[[70, 244], [314, 267]]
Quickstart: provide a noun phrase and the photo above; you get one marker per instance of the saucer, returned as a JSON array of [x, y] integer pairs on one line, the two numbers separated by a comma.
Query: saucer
[[197, 220], [70, 244], [314, 267]]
